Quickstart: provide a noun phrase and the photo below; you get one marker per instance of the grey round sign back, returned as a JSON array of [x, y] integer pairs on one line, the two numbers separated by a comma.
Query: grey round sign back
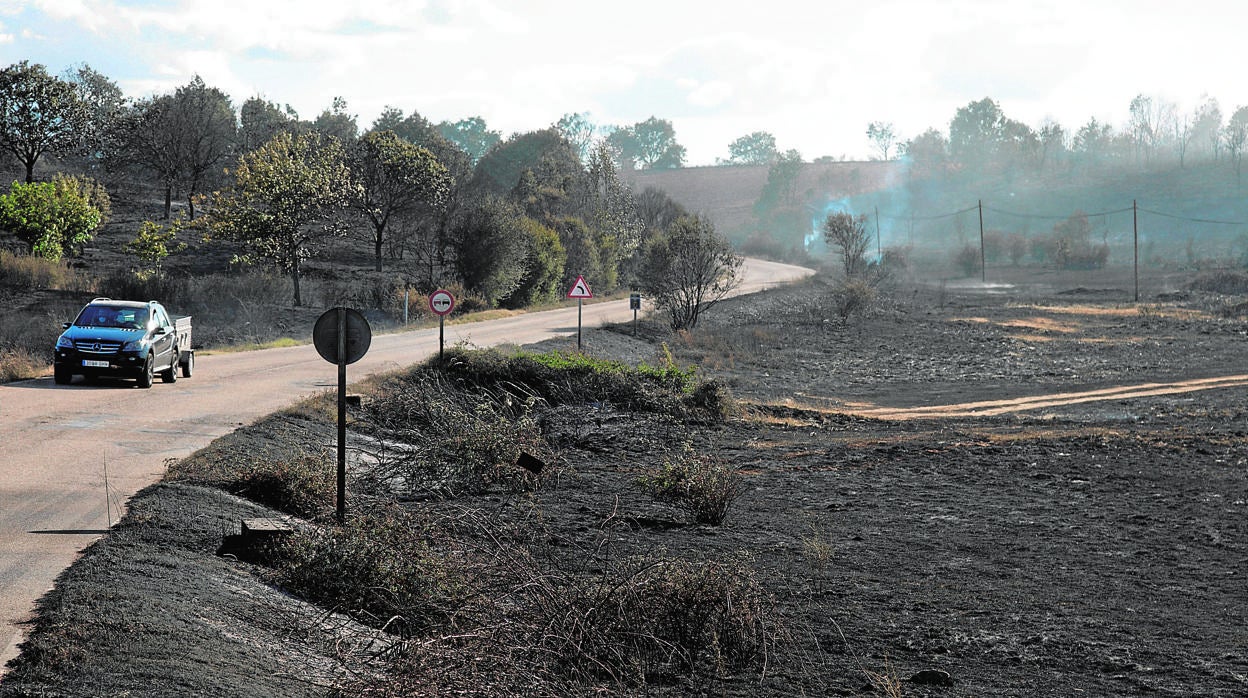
[[325, 335]]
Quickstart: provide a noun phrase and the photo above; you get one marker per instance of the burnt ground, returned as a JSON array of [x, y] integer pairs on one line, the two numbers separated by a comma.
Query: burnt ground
[[1090, 548], [1095, 548]]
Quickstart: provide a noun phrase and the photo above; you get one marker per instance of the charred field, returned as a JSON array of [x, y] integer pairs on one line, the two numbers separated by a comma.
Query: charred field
[[951, 491]]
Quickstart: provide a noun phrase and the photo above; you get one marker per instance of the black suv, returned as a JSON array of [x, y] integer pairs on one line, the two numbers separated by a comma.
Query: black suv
[[126, 339]]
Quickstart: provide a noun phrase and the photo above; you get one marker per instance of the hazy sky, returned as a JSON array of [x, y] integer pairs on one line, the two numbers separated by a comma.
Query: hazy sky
[[813, 73]]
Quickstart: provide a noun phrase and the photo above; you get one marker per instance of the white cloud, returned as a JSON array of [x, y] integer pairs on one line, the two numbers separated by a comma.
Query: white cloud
[[813, 74]]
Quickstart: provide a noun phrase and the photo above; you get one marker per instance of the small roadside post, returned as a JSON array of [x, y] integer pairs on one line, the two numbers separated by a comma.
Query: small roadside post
[[441, 302], [342, 336], [634, 303], [580, 291]]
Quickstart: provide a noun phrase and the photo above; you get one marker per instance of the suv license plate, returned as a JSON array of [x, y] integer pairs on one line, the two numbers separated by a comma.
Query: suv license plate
[[94, 364]]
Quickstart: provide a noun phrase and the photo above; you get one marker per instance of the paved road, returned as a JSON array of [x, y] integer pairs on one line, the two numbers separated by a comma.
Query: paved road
[[70, 456]]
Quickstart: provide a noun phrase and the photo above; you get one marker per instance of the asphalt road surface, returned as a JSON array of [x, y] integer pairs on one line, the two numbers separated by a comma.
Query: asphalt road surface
[[71, 456]]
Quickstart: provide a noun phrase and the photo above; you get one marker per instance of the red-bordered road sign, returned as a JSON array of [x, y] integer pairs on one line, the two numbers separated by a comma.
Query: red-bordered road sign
[[580, 289], [441, 302]]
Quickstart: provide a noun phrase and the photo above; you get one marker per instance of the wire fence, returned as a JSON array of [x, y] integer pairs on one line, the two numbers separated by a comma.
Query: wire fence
[[989, 241]]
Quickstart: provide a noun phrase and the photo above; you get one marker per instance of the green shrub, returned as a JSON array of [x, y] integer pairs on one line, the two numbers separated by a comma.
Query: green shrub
[[52, 218], [701, 484], [560, 378]]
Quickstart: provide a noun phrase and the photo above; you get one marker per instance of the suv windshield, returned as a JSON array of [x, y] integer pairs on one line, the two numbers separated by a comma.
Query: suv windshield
[[112, 316]]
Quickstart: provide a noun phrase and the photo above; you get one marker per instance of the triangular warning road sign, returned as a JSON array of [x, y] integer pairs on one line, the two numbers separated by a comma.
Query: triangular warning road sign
[[580, 289]]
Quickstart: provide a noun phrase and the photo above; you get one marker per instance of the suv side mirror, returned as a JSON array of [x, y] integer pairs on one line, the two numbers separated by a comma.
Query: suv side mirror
[[65, 325], [158, 331]]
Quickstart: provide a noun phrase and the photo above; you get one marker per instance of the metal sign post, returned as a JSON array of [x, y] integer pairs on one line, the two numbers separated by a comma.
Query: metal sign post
[[580, 291], [634, 302], [342, 336], [441, 302], [342, 414]]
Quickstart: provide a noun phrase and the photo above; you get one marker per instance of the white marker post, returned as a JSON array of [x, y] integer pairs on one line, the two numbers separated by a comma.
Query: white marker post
[[580, 291]]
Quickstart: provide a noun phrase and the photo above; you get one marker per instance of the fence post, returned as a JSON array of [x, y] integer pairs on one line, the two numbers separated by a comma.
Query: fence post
[[1135, 244], [983, 264]]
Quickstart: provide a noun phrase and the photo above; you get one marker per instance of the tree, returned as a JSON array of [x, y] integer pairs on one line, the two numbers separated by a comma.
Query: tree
[[54, 218], [579, 131], [656, 209], [757, 148], [1053, 146], [1094, 141], [152, 244], [471, 135], [975, 132], [778, 211], [581, 249], [1183, 133], [337, 122], [849, 235], [882, 136], [688, 269], [650, 144], [1207, 127], [39, 114], [208, 130], [287, 198], [491, 246], [656, 145], [1235, 137], [393, 179], [183, 138], [105, 104], [610, 209], [543, 267], [928, 153], [260, 120], [546, 154], [422, 240], [1018, 146], [153, 142], [1150, 121]]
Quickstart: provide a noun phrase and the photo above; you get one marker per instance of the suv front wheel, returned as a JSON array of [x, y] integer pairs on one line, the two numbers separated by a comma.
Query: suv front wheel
[[145, 378]]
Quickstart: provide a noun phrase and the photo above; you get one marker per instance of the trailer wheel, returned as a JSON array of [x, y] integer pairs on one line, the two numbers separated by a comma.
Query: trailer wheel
[[188, 366]]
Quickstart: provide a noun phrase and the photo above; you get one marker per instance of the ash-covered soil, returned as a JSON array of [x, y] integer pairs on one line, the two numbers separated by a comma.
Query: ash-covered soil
[[1092, 548]]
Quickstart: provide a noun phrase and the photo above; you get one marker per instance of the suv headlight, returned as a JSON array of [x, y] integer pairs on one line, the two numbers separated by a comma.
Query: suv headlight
[[136, 345], [64, 342]]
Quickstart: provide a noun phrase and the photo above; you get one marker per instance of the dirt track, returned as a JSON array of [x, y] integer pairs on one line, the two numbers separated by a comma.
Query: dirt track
[[993, 408]]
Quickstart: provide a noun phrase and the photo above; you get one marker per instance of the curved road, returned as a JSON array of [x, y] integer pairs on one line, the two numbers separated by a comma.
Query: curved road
[[72, 455]]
